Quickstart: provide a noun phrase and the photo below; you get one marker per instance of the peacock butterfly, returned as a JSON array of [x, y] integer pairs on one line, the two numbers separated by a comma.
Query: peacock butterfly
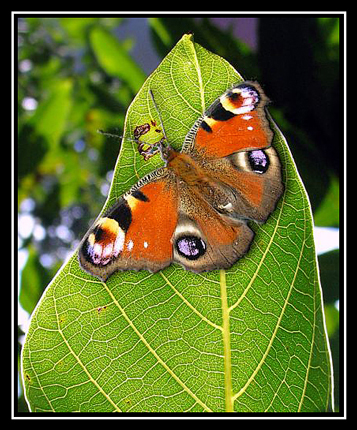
[[195, 210]]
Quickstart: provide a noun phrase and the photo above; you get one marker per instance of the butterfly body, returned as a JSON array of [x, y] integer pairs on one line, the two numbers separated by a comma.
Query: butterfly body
[[195, 210]]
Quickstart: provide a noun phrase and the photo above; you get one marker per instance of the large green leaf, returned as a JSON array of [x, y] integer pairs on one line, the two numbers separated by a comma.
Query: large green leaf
[[249, 339]]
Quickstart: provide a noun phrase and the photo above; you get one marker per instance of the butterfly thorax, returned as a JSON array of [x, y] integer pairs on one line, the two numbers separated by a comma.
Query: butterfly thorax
[[200, 182], [185, 167]]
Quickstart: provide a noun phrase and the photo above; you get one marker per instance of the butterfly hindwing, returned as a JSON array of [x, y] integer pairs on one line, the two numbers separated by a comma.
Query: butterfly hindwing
[[204, 239], [253, 181]]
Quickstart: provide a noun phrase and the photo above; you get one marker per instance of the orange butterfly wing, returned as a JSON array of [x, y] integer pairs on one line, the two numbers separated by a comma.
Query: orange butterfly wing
[[136, 232], [234, 122]]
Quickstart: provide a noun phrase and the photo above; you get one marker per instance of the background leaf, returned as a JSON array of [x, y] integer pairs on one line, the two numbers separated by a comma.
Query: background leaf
[[114, 58], [249, 339]]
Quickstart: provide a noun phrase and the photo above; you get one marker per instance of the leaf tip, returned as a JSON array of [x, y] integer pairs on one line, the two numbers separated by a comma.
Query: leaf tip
[[188, 37]]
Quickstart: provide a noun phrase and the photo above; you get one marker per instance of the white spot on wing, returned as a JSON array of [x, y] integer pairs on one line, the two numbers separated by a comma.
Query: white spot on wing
[[130, 245], [247, 117]]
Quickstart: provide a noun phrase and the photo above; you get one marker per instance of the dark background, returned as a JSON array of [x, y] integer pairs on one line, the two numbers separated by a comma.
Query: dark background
[[67, 89]]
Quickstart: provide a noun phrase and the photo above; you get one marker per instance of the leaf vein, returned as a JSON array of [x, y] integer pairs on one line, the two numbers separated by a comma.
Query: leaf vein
[[154, 353]]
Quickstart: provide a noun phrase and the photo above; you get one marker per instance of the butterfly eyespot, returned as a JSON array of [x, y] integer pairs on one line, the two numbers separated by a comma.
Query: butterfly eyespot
[[259, 161], [190, 247]]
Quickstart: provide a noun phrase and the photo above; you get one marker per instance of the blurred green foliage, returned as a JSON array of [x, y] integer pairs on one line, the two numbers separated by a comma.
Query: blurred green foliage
[[75, 77]]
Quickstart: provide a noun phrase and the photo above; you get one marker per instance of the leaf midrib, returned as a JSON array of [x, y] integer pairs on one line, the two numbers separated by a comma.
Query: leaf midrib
[[228, 390]]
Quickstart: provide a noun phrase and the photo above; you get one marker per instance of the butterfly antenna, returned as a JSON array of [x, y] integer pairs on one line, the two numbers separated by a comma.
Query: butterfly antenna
[[104, 133], [119, 136], [158, 112]]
